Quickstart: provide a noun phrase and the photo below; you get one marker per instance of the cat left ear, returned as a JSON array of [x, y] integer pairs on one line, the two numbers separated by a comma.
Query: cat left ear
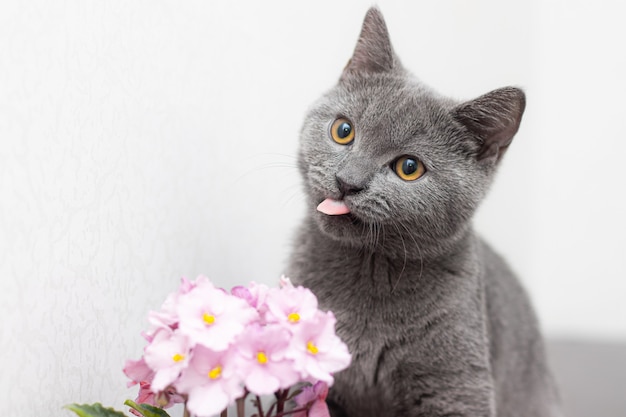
[[373, 51], [495, 118]]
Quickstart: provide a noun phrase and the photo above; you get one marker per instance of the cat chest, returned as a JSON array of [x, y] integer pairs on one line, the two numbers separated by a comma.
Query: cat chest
[[378, 351], [377, 332]]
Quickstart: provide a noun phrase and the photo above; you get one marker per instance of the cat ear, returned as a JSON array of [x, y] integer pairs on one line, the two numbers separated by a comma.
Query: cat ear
[[495, 118], [373, 52]]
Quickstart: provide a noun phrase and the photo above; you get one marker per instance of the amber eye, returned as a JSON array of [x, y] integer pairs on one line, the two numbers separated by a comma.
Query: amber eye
[[342, 131], [408, 168]]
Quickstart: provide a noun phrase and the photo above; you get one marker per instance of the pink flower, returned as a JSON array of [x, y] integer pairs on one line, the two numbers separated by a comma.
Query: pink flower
[[315, 396], [168, 316], [213, 318], [284, 282], [210, 381], [138, 371], [206, 344], [290, 305], [254, 294], [317, 351], [163, 399], [146, 396], [167, 355], [262, 363]]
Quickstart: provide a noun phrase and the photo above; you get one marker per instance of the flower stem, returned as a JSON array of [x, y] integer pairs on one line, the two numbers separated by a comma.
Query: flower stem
[[241, 406], [280, 401], [295, 410], [259, 406], [185, 411]]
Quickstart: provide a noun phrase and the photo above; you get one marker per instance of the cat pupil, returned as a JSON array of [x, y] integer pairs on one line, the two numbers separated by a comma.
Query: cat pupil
[[344, 130], [409, 166]]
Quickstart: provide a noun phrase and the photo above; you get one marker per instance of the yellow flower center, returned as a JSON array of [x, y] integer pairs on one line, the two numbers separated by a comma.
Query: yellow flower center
[[178, 357], [208, 319], [215, 372], [313, 350], [261, 357], [293, 317]]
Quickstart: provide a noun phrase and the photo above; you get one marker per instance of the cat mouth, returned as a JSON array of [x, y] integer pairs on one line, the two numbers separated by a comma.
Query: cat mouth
[[332, 207], [337, 211]]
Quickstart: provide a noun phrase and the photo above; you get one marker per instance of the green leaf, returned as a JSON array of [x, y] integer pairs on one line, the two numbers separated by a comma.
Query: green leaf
[[147, 410], [93, 410]]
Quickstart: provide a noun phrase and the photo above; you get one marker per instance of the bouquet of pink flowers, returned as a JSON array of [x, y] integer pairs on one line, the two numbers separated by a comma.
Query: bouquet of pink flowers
[[209, 349]]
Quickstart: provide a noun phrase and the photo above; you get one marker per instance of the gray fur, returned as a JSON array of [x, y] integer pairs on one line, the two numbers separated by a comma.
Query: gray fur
[[436, 322]]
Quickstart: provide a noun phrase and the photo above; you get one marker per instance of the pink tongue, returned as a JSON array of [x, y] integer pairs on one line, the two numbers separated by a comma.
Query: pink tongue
[[333, 207]]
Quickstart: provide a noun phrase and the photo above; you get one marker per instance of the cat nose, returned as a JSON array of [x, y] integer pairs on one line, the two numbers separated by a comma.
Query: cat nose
[[348, 185]]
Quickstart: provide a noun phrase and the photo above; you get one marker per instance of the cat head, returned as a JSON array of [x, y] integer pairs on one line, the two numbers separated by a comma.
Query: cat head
[[389, 164]]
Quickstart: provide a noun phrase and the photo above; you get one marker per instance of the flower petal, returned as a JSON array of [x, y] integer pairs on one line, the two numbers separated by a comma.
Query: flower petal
[[207, 400]]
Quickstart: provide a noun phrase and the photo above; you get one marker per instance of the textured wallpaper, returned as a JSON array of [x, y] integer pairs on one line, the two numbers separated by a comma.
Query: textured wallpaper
[[121, 170]]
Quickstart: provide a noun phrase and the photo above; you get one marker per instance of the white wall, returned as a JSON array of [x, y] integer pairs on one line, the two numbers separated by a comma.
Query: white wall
[[142, 141], [579, 198]]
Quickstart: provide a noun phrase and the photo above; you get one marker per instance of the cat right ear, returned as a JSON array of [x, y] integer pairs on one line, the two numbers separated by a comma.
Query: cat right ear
[[373, 51], [494, 118]]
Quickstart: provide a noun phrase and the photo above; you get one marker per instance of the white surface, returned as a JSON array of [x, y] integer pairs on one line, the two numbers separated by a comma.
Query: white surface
[[142, 141]]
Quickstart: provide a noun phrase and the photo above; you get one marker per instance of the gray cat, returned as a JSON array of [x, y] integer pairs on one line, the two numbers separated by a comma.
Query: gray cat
[[436, 322]]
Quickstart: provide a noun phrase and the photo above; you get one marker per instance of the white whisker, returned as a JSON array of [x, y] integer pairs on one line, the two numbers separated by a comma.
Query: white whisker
[[404, 261]]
